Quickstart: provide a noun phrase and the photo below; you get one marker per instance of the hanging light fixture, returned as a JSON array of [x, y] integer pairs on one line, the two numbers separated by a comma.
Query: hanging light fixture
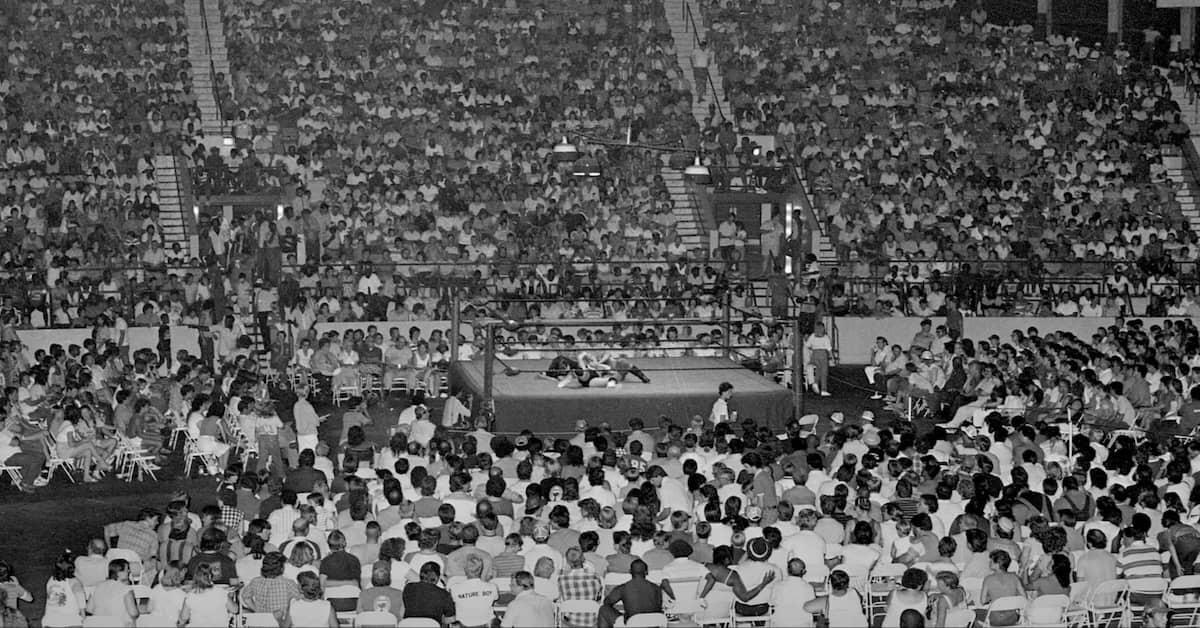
[[565, 151], [698, 172], [586, 167]]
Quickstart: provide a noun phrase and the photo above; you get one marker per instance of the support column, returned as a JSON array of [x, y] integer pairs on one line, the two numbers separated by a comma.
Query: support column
[[1043, 25], [1116, 10], [1187, 28]]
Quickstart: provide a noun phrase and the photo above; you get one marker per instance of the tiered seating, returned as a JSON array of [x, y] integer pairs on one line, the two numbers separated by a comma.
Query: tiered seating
[[433, 131], [90, 92], [1017, 148]]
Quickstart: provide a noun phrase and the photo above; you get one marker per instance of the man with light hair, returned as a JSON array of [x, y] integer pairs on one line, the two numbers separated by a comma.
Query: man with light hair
[[541, 547], [528, 609], [473, 597]]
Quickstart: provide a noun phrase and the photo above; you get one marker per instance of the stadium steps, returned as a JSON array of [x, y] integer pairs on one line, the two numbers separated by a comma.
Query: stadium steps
[[685, 42], [1188, 192], [686, 210], [172, 205], [209, 60]]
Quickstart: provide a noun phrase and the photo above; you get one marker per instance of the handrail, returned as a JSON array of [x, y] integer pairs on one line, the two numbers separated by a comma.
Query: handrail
[[808, 199], [187, 197], [690, 18], [212, 68]]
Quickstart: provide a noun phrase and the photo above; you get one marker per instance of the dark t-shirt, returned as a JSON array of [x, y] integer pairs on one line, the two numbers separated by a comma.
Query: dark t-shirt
[[301, 480], [223, 567], [1189, 416], [422, 599], [341, 565], [639, 596]]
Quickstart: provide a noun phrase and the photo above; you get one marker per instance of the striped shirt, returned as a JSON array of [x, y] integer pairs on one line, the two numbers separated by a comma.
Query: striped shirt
[[507, 564], [1140, 559]]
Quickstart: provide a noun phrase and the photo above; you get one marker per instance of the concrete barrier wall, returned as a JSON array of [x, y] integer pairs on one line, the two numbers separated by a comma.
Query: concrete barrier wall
[[186, 338], [856, 335]]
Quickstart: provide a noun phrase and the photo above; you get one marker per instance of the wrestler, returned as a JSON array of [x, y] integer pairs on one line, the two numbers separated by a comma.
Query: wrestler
[[622, 366], [560, 367]]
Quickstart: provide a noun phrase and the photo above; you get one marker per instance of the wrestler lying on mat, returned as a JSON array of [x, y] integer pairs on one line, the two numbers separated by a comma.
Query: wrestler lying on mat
[[592, 372]]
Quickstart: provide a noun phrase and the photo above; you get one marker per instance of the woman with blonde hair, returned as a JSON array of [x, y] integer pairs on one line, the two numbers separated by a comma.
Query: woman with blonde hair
[[312, 610], [166, 598], [300, 559], [206, 605]]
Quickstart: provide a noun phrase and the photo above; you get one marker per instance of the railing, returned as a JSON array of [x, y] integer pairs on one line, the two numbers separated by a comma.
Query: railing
[[208, 181], [212, 68], [690, 20], [187, 198], [1031, 269], [836, 296]]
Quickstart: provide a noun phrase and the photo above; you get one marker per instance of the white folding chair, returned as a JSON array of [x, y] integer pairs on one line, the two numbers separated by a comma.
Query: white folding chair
[[55, 462], [1103, 606], [344, 592], [752, 621], [687, 596], [973, 587], [1141, 589], [614, 580], [102, 621], [259, 620], [134, 461], [177, 432], [808, 424], [1047, 611], [192, 454], [1180, 588], [576, 607], [158, 621], [1012, 603], [375, 619], [647, 620], [13, 473]]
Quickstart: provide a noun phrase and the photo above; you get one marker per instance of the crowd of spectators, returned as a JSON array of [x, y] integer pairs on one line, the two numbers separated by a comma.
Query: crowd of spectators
[[430, 128], [1024, 155], [1050, 474], [90, 93]]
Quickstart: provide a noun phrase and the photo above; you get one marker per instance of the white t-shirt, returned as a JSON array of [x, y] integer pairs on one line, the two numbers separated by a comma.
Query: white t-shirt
[[720, 411], [473, 601]]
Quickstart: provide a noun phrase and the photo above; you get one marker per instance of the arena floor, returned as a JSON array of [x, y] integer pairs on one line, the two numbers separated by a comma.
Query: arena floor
[[38, 527]]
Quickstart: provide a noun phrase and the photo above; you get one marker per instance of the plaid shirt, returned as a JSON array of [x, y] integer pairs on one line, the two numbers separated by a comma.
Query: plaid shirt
[[580, 583], [232, 519], [267, 595], [135, 536]]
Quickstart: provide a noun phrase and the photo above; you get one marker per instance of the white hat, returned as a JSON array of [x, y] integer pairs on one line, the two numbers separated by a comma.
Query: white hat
[[868, 416], [837, 417]]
